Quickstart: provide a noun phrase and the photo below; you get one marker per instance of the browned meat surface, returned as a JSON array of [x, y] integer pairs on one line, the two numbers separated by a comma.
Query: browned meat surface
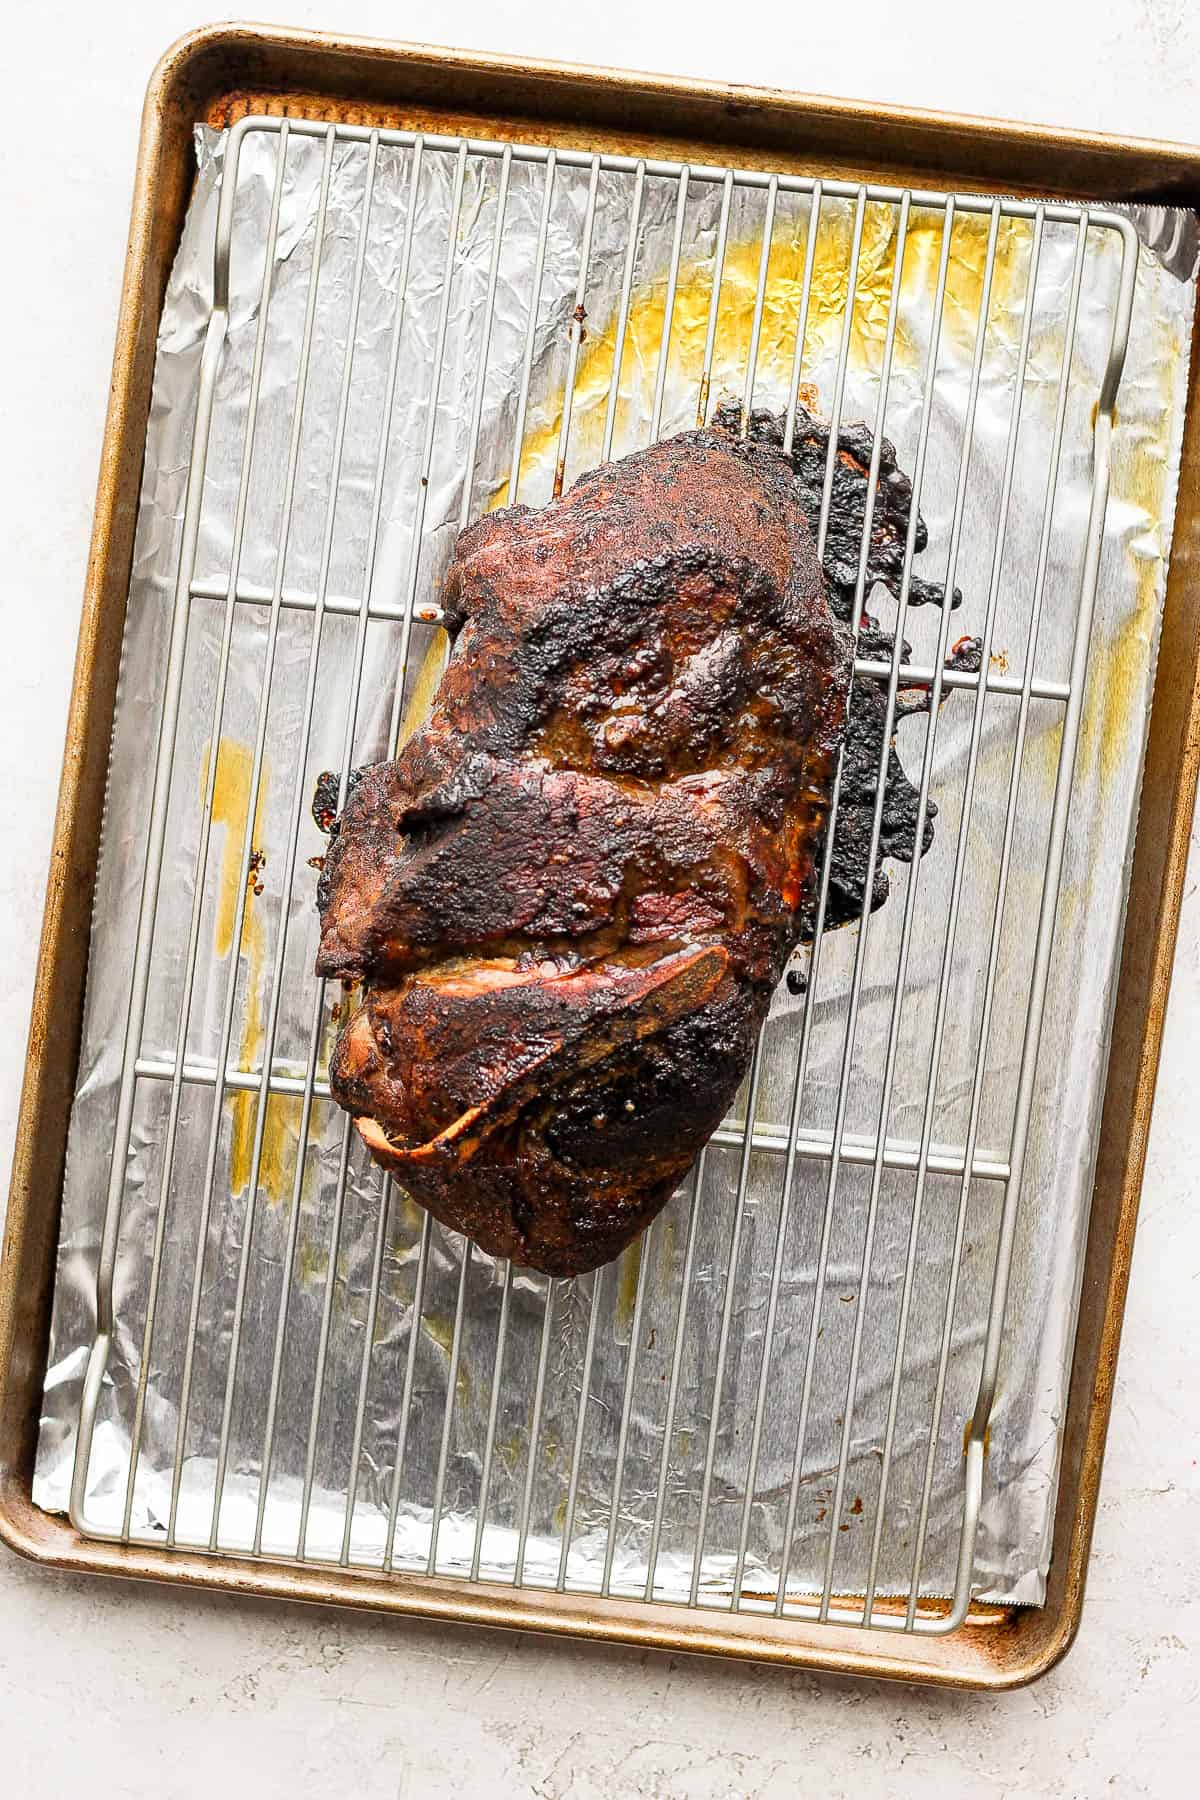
[[572, 894]]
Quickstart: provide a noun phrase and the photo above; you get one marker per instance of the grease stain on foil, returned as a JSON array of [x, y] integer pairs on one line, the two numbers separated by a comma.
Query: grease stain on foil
[[631, 1266], [781, 315], [281, 1130]]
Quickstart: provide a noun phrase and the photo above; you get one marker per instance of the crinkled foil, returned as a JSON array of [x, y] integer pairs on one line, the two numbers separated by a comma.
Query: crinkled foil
[[330, 1277]]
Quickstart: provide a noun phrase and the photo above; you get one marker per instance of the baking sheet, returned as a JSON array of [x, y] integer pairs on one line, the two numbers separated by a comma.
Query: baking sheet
[[1014, 1535]]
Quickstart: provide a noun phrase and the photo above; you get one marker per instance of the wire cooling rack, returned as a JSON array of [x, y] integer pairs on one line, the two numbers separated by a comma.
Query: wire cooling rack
[[326, 1410]]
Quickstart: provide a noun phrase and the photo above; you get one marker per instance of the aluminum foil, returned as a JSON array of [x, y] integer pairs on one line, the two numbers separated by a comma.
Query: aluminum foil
[[355, 1267]]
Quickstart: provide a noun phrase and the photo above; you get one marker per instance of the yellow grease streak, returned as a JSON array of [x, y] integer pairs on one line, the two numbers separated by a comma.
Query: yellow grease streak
[[781, 316], [420, 701], [1118, 662], [631, 1264], [231, 799], [1139, 475], [780, 321], [440, 1327]]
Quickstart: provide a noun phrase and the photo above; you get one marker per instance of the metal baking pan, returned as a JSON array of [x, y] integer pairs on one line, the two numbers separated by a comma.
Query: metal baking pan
[[222, 75]]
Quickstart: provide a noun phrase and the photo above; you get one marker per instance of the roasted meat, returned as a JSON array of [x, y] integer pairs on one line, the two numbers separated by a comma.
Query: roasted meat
[[572, 894]]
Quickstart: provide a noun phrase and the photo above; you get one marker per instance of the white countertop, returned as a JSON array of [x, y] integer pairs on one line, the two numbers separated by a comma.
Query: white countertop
[[118, 1691]]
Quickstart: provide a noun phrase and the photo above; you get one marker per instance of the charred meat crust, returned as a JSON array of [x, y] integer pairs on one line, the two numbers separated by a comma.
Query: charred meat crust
[[572, 894]]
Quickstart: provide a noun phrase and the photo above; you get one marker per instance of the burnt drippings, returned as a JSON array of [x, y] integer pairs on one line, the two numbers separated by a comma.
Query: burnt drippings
[[326, 793], [848, 503], [325, 799], [866, 721], [865, 725], [965, 658]]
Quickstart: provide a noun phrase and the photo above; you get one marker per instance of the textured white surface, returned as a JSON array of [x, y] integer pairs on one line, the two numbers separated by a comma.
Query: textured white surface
[[135, 1692]]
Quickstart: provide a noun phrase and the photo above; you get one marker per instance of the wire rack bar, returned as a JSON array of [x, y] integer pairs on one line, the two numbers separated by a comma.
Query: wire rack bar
[[810, 251], [912, 674], [576, 336], [809, 1146], [535, 300], [585, 1385], [664, 347], [414, 1326], [622, 327], [439, 1486], [535, 1426], [685, 1288], [643, 1251], [714, 299], [489, 1442]]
